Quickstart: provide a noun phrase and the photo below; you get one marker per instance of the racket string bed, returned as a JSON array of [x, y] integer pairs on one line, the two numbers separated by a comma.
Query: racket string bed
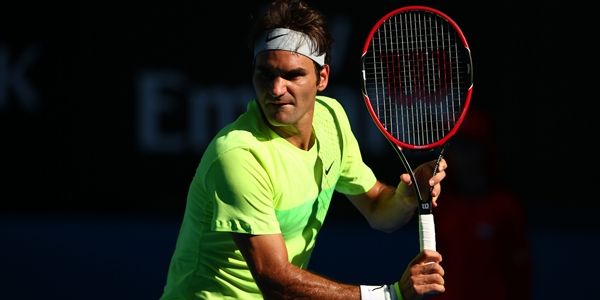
[[415, 58]]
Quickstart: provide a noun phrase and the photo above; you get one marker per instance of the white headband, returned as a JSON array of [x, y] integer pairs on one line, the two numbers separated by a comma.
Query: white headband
[[290, 40]]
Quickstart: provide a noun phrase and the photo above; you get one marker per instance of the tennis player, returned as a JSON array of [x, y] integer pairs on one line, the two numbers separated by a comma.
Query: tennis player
[[264, 184]]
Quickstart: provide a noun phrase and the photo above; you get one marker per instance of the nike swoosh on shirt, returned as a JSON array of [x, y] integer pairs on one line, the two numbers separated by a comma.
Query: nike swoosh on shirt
[[329, 168], [268, 39]]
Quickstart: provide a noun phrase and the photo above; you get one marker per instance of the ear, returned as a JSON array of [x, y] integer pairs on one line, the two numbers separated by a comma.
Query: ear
[[324, 74]]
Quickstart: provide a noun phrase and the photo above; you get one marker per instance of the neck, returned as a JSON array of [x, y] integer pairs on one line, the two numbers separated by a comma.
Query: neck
[[302, 138]]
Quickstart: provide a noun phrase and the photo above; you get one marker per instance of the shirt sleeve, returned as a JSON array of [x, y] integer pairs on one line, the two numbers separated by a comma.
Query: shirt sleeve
[[243, 194]]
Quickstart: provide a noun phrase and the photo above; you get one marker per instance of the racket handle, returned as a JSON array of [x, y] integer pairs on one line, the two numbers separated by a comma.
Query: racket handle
[[426, 232]]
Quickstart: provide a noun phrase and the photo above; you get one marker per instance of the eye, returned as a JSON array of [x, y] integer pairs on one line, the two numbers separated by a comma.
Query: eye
[[264, 74], [292, 75]]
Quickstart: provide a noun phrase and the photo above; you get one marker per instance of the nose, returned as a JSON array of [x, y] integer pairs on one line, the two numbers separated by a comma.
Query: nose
[[278, 87]]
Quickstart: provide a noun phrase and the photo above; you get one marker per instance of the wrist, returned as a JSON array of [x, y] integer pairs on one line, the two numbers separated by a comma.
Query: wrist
[[381, 292], [405, 194]]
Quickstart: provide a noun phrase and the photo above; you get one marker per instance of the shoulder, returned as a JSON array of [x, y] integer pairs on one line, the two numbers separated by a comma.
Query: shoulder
[[248, 131], [328, 109], [234, 153], [331, 103], [245, 139]]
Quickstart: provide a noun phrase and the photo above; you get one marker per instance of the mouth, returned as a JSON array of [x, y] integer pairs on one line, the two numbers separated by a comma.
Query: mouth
[[277, 103]]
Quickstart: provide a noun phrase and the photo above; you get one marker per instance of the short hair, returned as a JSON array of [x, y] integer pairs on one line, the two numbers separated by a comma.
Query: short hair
[[296, 15]]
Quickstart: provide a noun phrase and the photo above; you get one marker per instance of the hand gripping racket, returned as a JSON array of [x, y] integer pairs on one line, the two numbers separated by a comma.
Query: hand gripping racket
[[417, 84]]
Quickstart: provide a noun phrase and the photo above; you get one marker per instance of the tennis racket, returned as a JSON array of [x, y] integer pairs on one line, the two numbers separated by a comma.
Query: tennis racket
[[417, 84]]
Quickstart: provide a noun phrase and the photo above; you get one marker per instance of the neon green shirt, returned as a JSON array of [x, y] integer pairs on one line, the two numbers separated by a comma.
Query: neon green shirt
[[251, 180]]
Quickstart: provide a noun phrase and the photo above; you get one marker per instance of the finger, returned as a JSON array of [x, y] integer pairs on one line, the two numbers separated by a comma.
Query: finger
[[428, 268], [435, 192], [443, 165], [437, 178], [406, 178], [429, 289], [432, 268], [427, 256], [428, 283], [425, 279]]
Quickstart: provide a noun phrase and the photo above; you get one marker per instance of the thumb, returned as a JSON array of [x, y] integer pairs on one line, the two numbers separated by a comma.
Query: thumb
[[406, 179]]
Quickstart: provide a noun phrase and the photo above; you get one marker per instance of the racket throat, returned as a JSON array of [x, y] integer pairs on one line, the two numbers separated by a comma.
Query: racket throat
[[425, 208]]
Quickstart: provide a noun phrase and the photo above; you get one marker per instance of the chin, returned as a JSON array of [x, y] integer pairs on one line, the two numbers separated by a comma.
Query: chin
[[278, 122], [279, 119]]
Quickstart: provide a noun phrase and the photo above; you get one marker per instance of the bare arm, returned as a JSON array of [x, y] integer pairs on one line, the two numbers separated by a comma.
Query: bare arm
[[388, 208], [267, 258], [277, 278]]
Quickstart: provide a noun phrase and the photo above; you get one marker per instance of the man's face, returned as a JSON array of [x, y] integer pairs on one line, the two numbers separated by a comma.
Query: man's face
[[286, 85]]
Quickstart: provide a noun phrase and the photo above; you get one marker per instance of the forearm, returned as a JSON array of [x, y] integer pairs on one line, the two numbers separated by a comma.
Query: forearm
[[394, 207], [386, 207], [295, 283], [277, 278]]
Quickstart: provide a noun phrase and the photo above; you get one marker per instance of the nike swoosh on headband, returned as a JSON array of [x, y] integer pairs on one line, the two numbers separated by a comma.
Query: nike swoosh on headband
[[270, 38]]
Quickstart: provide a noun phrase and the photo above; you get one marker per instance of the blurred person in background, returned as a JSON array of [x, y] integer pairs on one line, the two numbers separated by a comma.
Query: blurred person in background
[[481, 225]]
